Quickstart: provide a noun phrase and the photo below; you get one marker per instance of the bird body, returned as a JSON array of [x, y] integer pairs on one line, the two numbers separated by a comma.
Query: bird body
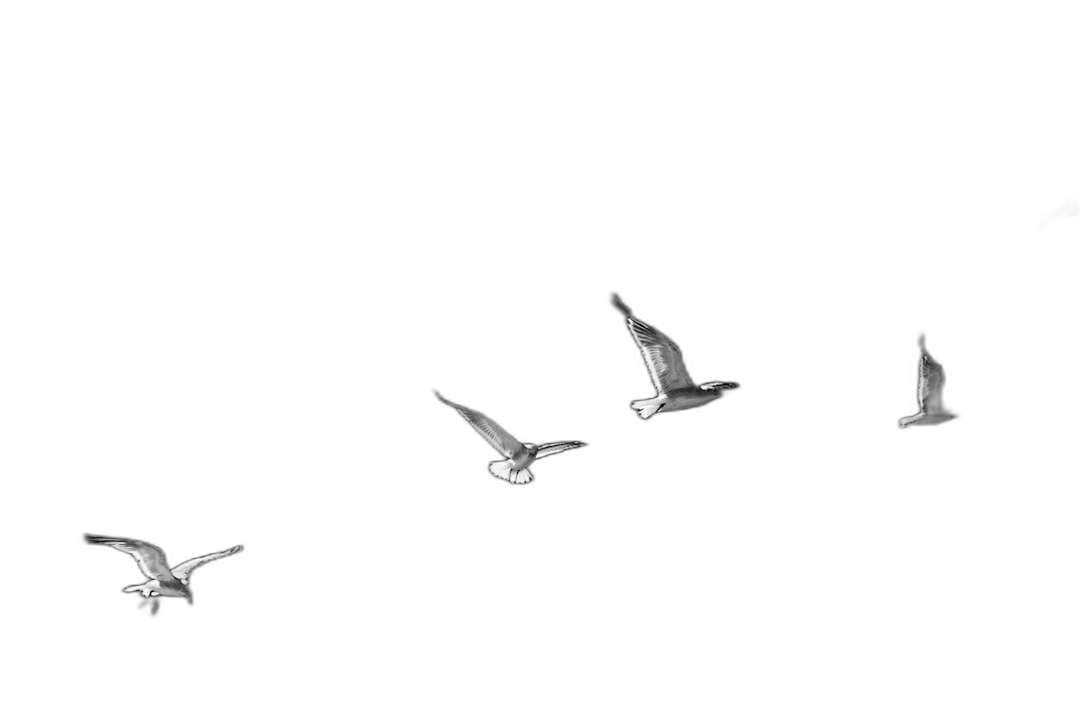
[[675, 390], [153, 588], [162, 581], [931, 383], [518, 455]]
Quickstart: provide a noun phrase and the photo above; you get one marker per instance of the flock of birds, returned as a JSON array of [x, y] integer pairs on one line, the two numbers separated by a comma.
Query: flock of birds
[[675, 390]]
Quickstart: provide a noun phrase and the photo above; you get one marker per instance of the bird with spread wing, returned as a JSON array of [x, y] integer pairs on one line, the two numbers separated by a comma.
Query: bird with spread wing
[[519, 456], [664, 361], [163, 581]]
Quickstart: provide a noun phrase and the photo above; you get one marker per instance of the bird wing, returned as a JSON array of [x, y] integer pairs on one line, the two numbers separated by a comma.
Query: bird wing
[[183, 570], [491, 431], [662, 356], [931, 382], [150, 558], [556, 447]]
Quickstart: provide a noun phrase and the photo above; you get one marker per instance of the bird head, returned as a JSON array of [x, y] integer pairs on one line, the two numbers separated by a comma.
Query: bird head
[[714, 388]]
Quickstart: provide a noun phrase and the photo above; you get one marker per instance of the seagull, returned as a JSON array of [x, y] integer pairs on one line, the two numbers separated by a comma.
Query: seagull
[[663, 358], [519, 456], [931, 382], [163, 581]]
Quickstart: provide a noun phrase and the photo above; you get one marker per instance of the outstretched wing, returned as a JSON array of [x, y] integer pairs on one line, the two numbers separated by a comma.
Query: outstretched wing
[[150, 558], [931, 382], [491, 431], [183, 570], [662, 357], [556, 447]]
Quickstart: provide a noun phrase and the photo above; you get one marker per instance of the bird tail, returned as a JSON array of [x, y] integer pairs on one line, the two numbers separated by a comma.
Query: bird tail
[[620, 305], [504, 470], [646, 408]]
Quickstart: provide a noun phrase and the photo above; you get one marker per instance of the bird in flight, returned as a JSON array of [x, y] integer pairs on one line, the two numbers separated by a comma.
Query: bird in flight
[[163, 581], [519, 456], [664, 361], [931, 382]]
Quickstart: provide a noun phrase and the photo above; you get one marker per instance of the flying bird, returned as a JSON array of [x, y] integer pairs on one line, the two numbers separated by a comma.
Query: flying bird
[[664, 361], [519, 456], [931, 382], [163, 581]]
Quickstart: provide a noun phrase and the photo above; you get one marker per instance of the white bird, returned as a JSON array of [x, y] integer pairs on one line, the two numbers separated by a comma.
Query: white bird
[[931, 382], [519, 456], [664, 361], [163, 580]]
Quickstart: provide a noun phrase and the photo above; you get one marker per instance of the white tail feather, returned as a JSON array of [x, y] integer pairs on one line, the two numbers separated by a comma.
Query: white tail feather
[[927, 418], [504, 470], [646, 408]]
